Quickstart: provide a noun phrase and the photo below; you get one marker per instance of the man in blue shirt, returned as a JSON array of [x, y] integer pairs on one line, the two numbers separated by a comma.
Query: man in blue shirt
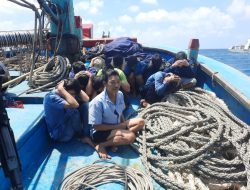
[[108, 127], [76, 68], [66, 111], [180, 74], [157, 86], [154, 65], [134, 71], [184, 68]]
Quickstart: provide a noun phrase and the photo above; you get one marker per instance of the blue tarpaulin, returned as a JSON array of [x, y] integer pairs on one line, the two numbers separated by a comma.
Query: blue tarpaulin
[[122, 46]]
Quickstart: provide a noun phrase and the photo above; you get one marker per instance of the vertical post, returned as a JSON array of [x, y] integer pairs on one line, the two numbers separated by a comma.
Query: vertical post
[[193, 49], [33, 53]]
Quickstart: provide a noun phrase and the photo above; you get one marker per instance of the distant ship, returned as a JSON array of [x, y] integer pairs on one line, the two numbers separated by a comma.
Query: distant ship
[[241, 48]]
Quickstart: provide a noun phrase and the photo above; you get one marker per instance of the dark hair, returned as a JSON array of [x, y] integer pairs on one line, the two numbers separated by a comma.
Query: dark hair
[[131, 61], [109, 73], [72, 84], [117, 61], [78, 66], [83, 80], [180, 55], [156, 61], [97, 82]]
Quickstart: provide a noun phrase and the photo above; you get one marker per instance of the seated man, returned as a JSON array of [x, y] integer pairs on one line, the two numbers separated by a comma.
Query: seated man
[[125, 87], [96, 64], [117, 62], [97, 86], [155, 65], [184, 68], [108, 127], [85, 80], [134, 70], [91, 84], [66, 112], [157, 86], [77, 67]]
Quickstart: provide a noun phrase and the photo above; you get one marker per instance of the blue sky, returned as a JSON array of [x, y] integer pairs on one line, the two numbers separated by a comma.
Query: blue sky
[[217, 23]]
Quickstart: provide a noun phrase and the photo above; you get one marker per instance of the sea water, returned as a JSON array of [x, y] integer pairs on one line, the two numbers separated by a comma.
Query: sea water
[[240, 61]]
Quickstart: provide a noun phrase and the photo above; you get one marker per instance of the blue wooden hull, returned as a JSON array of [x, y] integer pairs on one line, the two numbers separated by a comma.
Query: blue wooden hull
[[45, 163]]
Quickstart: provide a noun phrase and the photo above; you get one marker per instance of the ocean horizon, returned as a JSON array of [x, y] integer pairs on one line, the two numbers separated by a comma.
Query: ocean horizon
[[240, 61]]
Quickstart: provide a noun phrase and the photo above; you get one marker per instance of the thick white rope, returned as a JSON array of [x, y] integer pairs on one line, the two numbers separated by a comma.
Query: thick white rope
[[55, 70], [193, 140], [97, 174]]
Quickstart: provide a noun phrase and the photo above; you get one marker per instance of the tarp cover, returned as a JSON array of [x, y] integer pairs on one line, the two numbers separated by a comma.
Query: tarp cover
[[122, 46]]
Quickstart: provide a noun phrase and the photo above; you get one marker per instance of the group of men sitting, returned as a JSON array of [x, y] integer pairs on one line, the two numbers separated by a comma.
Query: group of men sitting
[[90, 103]]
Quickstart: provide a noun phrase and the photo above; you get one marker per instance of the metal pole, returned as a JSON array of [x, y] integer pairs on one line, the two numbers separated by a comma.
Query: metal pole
[[33, 53]]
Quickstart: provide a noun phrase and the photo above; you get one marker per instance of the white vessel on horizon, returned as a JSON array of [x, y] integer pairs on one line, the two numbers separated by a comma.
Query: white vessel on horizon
[[241, 48]]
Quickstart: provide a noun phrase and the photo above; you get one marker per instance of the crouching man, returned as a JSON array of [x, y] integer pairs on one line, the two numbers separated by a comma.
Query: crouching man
[[66, 112], [108, 127]]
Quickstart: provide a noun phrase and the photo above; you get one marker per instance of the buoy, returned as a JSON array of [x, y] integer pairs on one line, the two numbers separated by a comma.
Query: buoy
[[193, 49]]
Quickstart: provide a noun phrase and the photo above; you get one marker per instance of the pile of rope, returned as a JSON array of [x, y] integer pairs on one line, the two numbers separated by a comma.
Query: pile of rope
[[17, 63], [192, 141], [22, 62], [97, 174], [55, 70]]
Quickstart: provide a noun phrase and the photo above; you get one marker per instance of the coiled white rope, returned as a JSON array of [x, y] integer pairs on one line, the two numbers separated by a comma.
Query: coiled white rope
[[55, 70], [98, 174], [192, 141]]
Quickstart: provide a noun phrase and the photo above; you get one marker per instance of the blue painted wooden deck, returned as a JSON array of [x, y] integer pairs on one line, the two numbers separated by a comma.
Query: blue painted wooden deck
[[24, 120], [46, 163], [65, 158]]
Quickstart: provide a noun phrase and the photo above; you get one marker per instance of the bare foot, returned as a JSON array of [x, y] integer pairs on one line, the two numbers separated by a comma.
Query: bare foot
[[144, 103], [114, 148], [102, 152]]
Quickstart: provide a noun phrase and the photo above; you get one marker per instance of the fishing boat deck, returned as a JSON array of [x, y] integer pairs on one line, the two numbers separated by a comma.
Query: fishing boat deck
[[46, 163], [65, 158], [23, 120], [18, 92]]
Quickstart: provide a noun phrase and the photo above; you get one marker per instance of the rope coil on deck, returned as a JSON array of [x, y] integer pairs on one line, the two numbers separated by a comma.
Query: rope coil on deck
[[55, 70], [97, 174], [193, 141]]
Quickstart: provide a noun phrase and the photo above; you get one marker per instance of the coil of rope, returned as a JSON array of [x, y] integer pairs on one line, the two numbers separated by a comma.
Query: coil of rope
[[55, 70], [9, 39], [98, 174], [193, 141]]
